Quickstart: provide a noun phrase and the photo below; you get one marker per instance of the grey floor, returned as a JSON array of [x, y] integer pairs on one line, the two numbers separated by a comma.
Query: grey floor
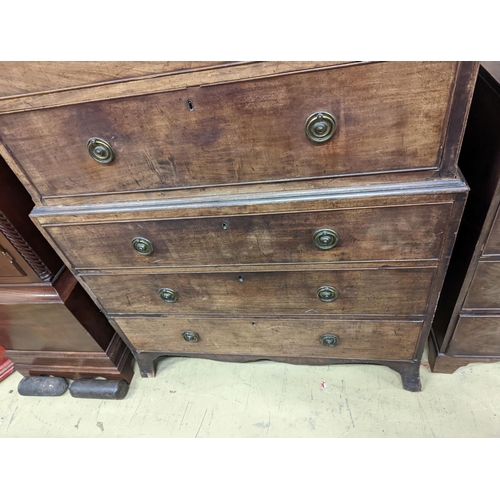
[[203, 398]]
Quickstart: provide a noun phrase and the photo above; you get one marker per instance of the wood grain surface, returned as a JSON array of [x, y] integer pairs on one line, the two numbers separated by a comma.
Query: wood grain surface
[[385, 291], [387, 233], [484, 291], [478, 335], [390, 117], [279, 337], [492, 246], [31, 77]]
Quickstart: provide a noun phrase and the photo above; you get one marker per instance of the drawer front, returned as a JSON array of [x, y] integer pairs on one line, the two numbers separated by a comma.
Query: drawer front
[[389, 116], [385, 233], [476, 336], [385, 291], [8, 267], [269, 337], [484, 292], [492, 246]]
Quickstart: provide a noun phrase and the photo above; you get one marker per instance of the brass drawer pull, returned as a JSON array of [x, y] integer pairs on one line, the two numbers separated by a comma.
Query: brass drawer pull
[[329, 340], [327, 293], [142, 245], [320, 126], [168, 295], [190, 336], [325, 239], [100, 150]]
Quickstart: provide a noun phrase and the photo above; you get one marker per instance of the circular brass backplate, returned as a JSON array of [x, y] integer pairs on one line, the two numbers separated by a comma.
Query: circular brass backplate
[[329, 340], [142, 245], [325, 239], [320, 126], [327, 293], [100, 150], [168, 295]]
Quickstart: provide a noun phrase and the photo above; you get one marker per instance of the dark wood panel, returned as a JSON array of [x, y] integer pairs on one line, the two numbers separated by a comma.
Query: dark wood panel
[[264, 336], [484, 291], [476, 336], [493, 243], [390, 233], [444, 363], [43, 327], [113, 364], [10, 270], [391, 116], [385, 291], [19, 231]]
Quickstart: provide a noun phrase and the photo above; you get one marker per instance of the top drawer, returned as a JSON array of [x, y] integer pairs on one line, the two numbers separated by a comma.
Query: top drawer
[[389, 116]]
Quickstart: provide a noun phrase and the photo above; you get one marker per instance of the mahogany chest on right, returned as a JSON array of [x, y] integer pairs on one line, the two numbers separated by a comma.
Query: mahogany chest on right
[[466, 326]]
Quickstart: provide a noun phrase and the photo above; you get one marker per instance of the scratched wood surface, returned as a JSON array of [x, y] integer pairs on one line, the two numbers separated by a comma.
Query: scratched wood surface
[[390, 117], [476, 336], [269, 336], [390, 233], [384, 291], [31, 77]]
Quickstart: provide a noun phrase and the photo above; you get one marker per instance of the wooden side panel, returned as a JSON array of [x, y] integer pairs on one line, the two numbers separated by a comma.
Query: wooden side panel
[[385, 291], [264, 336], [391, 116], [390, 233], [476, 336], [49, 327]]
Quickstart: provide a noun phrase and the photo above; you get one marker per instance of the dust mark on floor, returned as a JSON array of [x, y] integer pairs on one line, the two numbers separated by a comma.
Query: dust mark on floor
[[100, 425]]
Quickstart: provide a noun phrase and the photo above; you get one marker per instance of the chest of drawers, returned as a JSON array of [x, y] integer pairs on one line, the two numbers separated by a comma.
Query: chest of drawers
[[298, 212], [466, 328], [48, 323]]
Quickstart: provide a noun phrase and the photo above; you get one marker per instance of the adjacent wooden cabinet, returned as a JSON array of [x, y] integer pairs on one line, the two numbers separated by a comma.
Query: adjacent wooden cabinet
[[466, 328], [48, 323], [299, 212]]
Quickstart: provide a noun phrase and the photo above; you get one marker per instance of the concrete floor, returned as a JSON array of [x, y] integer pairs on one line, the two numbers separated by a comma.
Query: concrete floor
[[203, 398]]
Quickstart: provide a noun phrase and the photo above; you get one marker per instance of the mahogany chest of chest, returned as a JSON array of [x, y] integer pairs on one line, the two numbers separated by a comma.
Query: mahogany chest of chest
[[298, 212]]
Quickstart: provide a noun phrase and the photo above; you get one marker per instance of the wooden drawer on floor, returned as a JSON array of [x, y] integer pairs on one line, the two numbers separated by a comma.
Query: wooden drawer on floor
[[476, 336], [389, 116], [379, 233], [274, 337], [384, 291]]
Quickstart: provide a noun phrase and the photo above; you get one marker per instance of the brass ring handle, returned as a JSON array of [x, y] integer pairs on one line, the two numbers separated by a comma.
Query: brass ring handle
[[142, 245], [100, 150], [327, 293], [325, 239], [320, 126], [190, 336], [168, 295], [329, 340]]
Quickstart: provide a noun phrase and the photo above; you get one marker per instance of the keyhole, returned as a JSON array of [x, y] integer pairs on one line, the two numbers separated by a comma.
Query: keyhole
[[240, 279], [190, 105], [225, 225]]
